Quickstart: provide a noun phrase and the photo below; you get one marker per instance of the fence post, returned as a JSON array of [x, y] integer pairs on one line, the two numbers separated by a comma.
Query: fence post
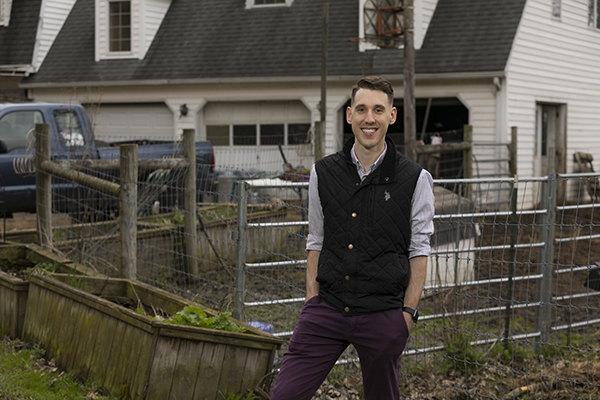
[[189, 202], [129, 175], [511, 259], [43, 183], [240, 259], [546, 259]]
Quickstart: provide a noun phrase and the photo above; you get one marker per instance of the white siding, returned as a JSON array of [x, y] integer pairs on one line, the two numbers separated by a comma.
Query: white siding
[[555, 61], [423, 12], [154, 13], [53, 15], [5, 7]]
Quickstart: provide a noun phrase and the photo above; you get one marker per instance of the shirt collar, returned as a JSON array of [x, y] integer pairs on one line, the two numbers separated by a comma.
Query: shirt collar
[[361, 171]]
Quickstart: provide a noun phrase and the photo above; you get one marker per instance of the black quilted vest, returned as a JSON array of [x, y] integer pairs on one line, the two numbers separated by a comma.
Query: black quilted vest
[[363, 265]]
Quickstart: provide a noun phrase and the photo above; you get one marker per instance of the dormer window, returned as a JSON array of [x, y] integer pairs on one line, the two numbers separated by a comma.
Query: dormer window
[[120, 26], [126, 29], [266, 3]]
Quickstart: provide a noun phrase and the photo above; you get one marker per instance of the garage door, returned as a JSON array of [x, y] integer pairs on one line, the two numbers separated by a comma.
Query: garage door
[[118, 122]]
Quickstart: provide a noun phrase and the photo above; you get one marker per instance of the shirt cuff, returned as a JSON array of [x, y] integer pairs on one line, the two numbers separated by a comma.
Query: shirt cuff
[[314, 242]]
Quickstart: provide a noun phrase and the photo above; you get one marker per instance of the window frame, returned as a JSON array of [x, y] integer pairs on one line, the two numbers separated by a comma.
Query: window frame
[[29, 139], [109, 37], [282, 3], [258, 131]]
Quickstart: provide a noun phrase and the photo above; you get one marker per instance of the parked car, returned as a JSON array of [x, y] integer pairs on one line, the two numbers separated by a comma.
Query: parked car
[[72, 138]]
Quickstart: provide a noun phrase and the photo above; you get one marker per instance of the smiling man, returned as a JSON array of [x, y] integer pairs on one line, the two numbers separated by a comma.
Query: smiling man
[[370, 219]]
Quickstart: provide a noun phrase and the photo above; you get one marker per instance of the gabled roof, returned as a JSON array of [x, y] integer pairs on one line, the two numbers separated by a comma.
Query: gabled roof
[[217, 40], [17, 40]]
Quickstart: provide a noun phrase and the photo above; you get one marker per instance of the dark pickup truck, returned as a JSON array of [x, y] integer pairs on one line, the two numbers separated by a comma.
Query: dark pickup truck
[[72, 138]]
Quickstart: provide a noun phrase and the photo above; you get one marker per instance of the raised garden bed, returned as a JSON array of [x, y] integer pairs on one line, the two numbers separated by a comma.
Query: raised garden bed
[[133, 355], [14, 288]]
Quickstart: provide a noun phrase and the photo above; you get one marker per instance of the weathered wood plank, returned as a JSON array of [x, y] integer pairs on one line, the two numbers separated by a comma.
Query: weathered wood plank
[[207, 385], [72, 334], [11, 251], [86, 347], [118, 356], [56, 331], [163, 368], [213, 336], [101, 351], [31, 325], [142, 373], [233, 369], [47, 306], [257, 366], [21, 310], [186, 369], [128, 361]]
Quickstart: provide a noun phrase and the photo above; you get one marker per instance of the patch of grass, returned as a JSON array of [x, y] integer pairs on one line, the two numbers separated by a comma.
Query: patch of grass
[[24, 374]]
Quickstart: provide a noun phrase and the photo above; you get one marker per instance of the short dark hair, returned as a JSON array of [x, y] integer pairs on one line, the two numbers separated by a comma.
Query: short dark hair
[[374, 83]]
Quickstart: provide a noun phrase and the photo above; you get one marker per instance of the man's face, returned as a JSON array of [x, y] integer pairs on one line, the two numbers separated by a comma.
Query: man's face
[[370, 116]]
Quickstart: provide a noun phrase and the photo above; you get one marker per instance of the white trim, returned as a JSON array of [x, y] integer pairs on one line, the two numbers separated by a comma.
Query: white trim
[[251, 4], [5, 8]]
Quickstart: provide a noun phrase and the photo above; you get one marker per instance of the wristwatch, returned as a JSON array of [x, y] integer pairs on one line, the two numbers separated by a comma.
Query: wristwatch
[[414, 313]]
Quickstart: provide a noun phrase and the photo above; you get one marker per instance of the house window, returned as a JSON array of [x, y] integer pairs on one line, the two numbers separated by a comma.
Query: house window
[[120, 26], [244, 135], [556, 8], [594, 8], [259, 123], [272, 134], [264, 2]]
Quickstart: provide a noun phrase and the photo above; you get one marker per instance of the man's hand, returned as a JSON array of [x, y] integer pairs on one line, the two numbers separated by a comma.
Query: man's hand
[[409, 321]]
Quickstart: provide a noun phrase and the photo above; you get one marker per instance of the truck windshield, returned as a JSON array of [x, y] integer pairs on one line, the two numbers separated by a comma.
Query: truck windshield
[[69, 128], [17, 129]]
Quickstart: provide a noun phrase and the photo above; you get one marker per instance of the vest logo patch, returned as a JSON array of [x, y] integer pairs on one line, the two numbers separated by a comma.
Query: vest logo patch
[[387, 195]]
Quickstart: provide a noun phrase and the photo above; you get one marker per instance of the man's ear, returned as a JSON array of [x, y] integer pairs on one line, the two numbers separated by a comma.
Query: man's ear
[[394, 115], [349, 115]]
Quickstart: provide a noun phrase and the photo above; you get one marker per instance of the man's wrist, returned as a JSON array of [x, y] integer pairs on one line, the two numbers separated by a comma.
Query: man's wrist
[[413, 313]]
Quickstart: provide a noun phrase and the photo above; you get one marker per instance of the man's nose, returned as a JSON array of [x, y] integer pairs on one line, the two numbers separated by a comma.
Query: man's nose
[[369, 117]]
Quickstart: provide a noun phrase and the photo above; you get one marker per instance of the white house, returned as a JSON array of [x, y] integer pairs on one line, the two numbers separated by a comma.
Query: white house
[[246, 74]]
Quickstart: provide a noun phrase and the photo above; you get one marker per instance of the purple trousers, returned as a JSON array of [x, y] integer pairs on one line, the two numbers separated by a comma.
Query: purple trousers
[[322, 333]]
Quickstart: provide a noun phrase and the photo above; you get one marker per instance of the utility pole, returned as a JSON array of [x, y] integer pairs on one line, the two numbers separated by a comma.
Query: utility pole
[[320, 126], [410, 123]]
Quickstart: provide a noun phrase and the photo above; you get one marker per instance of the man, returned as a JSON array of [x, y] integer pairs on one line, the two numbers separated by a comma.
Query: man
[[370, 218]]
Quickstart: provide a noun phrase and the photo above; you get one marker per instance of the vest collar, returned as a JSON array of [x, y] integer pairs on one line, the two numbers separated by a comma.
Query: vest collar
[[386, 171]]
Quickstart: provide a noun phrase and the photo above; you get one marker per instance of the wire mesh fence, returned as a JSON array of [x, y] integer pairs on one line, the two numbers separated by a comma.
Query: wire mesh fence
[[511, 305]]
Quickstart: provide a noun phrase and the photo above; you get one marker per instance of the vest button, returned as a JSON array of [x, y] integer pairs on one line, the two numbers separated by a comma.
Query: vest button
[[347, 277], [347, 309], [350, 246], [353, 215], [387, 178], [357, 183]]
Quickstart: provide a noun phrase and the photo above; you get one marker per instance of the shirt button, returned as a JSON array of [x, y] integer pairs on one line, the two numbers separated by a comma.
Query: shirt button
[[350, 246], [347, 309], [347, 277], [353, 215]]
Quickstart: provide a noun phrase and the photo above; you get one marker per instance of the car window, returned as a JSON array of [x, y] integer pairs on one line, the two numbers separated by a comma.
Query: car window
[[69, 128], [17, 128]]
